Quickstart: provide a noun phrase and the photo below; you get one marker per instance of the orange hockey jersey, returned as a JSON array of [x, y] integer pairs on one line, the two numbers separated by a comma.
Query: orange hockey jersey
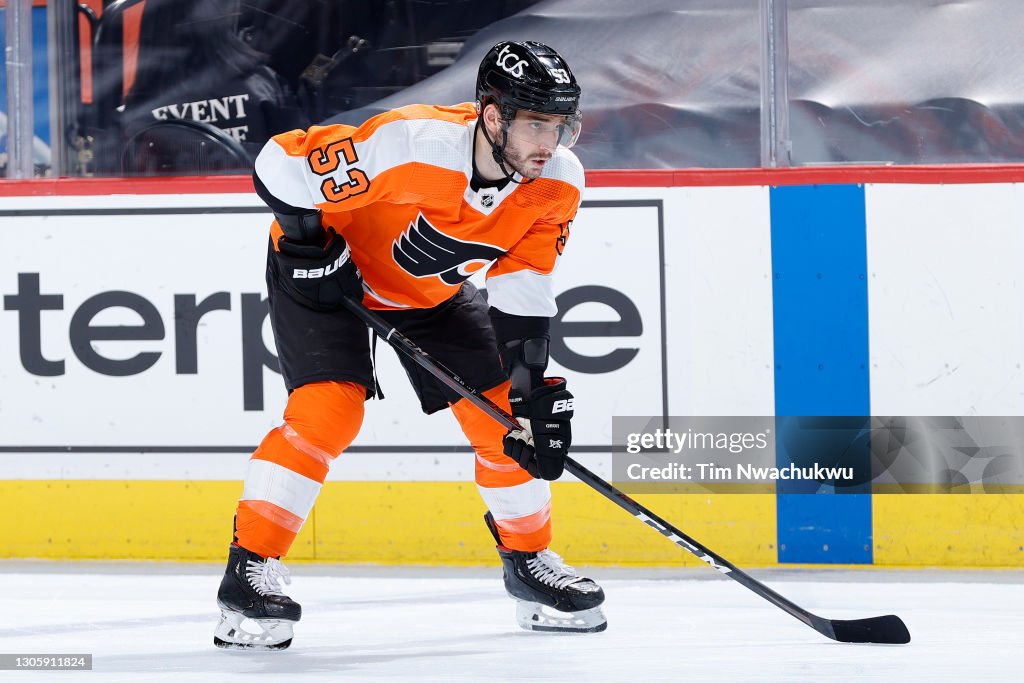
[[397, 188]]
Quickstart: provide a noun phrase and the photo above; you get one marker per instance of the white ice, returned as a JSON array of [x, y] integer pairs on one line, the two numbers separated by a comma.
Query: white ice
[[154, 622]]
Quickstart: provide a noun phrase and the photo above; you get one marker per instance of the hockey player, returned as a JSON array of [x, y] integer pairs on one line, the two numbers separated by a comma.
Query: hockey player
[[398, 213]]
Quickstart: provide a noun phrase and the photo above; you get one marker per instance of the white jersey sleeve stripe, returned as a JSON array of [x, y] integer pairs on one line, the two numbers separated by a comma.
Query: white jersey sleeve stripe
[[522, 292]]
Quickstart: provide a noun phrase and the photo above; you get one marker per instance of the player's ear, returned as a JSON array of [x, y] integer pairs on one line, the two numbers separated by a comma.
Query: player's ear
[[492, 117]]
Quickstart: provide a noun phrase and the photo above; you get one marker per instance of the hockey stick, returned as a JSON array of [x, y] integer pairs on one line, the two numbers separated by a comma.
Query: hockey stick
[[888, 629]]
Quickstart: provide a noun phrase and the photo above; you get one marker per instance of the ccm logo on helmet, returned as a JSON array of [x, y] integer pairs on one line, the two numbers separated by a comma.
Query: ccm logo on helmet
[[314, 273], [563, 406], [511, 63]]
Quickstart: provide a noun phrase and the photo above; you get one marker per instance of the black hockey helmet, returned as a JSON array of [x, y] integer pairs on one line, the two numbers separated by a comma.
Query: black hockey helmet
[[527, 75]]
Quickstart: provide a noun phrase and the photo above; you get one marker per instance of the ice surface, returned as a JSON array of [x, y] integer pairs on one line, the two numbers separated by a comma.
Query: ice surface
[[154, 622]]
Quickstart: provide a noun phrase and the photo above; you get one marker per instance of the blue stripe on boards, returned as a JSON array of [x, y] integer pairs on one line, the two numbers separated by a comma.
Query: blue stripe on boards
[[819, 264]]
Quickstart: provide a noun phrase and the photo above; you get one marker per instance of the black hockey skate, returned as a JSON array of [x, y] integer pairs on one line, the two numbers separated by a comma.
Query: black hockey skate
[[250, 592], [550, 596]]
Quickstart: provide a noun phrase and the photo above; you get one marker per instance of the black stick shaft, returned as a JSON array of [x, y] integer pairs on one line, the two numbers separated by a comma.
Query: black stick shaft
[[874, 630]]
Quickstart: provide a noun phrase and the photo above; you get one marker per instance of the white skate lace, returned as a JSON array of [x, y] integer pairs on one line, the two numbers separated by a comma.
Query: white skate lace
[[264, 576], [548, 567]]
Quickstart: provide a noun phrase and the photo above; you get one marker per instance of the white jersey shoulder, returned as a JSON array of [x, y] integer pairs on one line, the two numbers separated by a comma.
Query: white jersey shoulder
[[435, 142], [565, 166]]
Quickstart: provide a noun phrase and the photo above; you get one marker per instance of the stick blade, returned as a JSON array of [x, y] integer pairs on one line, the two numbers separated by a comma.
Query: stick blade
[[889, 629]]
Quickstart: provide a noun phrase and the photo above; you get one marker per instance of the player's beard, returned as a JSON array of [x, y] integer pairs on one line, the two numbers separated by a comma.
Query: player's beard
[[524, 162]]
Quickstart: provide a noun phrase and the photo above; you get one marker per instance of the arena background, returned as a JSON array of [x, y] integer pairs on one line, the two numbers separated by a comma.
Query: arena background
[[136, 380], [713, 292]]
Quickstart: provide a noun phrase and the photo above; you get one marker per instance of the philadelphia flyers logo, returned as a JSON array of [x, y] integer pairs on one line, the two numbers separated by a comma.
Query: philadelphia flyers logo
[[423, 251]]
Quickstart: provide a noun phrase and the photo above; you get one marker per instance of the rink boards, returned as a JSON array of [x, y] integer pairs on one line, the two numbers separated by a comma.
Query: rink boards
[[138, 376]]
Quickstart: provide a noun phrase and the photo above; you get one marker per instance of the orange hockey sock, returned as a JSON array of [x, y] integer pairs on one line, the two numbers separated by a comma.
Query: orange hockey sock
[[287, 470], [520, 504]]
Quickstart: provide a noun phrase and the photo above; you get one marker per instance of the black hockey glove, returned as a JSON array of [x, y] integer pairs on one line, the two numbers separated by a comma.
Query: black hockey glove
[[319, 275], [541, 445]]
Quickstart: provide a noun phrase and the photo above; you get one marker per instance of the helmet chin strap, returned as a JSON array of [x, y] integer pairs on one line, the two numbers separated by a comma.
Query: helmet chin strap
[[498, 153]]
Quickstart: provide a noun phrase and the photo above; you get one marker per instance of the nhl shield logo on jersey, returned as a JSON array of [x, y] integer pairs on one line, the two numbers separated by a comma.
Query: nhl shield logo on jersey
[[487, 200], [423, 251]]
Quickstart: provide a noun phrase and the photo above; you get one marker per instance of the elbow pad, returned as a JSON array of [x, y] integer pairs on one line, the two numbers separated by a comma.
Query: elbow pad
[[523, 344], [525, 360], [299, 224], [305, 227]]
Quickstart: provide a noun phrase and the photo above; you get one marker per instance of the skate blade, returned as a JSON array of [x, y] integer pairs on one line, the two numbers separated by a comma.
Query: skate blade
[[533, 616], [235, 631]]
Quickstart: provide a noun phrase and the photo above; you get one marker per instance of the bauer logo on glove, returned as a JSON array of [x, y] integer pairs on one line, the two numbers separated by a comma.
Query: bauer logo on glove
[[314, 273], [543, 442], [562, 406], [322, 273]]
